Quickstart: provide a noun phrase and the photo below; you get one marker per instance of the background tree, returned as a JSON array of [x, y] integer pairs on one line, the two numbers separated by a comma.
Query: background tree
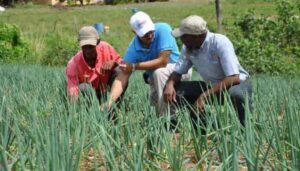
[[218, 13]]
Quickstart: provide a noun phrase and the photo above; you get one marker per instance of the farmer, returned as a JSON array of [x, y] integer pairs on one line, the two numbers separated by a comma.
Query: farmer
[[153, 49], [214, 58], [94, 67]]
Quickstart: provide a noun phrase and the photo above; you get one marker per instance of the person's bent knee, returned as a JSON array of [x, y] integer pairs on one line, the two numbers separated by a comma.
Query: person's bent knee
[[236, 93], [84, 87], [158, 73]]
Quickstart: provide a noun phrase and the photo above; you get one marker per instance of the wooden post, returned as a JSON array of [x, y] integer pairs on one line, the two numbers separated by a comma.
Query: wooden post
[[219, 17]]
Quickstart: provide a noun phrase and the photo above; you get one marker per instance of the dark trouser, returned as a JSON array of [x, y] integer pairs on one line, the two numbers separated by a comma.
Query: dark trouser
[[102, 96], [189, 91]]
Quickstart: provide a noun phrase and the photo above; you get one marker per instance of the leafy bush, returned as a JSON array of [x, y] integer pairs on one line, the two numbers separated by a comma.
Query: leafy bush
[[59, 49], [13, 48], [269, 44]]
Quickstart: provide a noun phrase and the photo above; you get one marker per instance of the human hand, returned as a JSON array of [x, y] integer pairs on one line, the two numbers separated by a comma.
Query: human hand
[[73, 98], [169, 93], [103, 87], [106, 106], [200, 102], [126, 66], [107, 67]]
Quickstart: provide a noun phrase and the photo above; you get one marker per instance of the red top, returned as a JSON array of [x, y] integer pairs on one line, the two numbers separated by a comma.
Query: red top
[[78, 71]]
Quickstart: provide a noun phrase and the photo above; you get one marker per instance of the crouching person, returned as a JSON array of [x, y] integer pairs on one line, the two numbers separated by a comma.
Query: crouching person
[[93, 68], [214, 58], [154, 50]]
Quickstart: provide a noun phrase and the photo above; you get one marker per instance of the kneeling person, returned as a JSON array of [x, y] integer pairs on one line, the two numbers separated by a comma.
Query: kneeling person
[[214, 58], [153, 49], [94, 67]]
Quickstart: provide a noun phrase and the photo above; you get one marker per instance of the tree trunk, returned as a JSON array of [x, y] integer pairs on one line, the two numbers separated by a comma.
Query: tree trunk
[[219, 17]]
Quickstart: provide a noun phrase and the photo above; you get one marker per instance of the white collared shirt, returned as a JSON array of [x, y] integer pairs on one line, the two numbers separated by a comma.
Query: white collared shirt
[[215, 60]]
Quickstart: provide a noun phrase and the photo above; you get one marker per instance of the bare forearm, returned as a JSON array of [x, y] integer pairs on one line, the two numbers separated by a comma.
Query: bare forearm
[[174, 78], [118, 87], [222, 85], [160, 61], [150, 65]]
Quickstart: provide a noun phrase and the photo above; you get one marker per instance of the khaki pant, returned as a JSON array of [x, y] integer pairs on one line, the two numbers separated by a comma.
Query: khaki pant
[[157, 83]]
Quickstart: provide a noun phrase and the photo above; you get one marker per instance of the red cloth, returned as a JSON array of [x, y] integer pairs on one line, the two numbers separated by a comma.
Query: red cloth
[[78, 71]]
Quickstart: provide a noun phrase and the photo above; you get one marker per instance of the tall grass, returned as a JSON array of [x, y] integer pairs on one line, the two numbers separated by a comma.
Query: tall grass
[[41, 130]]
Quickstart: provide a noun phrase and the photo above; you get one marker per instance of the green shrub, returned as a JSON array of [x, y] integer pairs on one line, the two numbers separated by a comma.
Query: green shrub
[[269, 44], [59, 49], [13, 48]]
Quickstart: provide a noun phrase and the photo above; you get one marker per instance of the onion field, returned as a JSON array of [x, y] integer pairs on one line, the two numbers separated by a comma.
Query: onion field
[[41, 130]]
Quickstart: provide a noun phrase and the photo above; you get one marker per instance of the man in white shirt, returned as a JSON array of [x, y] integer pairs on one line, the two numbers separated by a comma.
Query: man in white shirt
[[214, 58]]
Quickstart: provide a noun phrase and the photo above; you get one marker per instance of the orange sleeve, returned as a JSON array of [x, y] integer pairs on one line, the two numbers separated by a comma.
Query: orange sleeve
[[114, 55], [72, 79]]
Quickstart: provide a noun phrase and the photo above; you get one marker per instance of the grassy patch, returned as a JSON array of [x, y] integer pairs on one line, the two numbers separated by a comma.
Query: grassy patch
[[36, 22]]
